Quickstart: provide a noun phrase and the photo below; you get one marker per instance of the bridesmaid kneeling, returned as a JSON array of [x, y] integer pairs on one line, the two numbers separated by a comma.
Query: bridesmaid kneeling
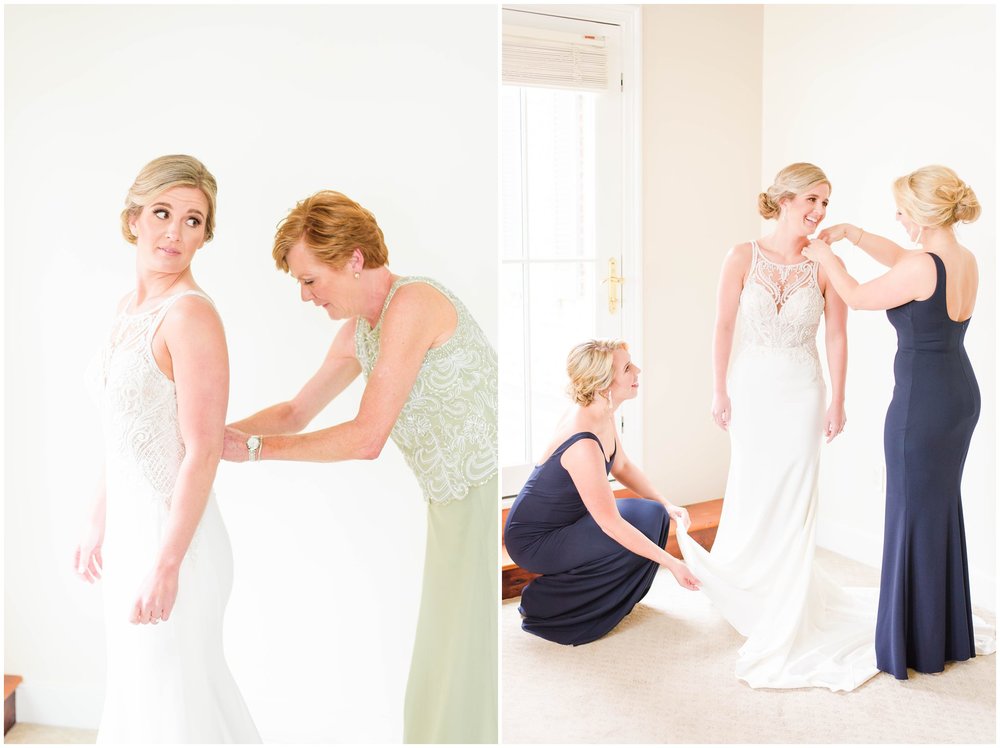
[[597, 555]]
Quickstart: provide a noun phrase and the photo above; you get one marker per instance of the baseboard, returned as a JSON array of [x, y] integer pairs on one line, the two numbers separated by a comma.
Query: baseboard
[[59, 704], [866, 548], [983, 587], [855, 544]]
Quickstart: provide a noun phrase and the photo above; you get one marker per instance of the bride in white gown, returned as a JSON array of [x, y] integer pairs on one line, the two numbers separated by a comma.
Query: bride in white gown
[[156, 534], [801, 629]]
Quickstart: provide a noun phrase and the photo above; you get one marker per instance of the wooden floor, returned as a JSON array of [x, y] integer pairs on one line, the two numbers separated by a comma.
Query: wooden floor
[[704, 524]]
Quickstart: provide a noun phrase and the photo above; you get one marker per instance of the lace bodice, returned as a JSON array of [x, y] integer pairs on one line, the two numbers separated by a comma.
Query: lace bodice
[[780, 305], [447, 429], [139, 405]]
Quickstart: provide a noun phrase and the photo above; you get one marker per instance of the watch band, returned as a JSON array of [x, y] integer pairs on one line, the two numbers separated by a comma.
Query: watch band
[[254, 444]]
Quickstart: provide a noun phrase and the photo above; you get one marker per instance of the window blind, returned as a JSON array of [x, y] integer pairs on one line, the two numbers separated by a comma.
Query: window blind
[[541, 57]]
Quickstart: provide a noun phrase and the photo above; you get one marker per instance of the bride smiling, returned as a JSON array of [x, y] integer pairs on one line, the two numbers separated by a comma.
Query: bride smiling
[[769, 394]]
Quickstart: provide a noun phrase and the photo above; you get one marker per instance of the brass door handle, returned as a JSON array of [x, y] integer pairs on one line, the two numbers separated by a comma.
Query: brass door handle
[[614, 281]]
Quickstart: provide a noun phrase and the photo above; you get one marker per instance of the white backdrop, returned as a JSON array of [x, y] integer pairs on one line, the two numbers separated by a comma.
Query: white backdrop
[[396, 107], [870, 93]]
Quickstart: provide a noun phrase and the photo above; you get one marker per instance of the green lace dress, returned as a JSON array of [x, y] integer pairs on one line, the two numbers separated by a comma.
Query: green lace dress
[[447, 432]]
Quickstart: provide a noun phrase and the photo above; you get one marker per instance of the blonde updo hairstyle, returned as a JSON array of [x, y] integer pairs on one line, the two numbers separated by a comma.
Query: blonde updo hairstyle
[[590, 369], [332, 226], [162, 174], [789, 182], [935, 197]]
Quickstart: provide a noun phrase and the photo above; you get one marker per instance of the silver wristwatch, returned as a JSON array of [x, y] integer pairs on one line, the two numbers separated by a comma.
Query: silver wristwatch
[[253, 447]]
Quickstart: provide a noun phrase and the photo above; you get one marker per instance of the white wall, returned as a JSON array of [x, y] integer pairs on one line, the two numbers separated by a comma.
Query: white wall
[[731, 95], [389, 105], [701, 155], [870, 93]]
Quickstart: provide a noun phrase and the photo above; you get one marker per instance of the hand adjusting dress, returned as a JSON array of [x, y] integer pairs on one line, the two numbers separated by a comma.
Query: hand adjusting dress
[[447, 432], [589, 581], [802, 630], [925, 611], [167, 683]]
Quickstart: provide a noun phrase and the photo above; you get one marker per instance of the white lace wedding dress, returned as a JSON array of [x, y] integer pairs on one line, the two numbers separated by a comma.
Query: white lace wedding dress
[[167, 683], [802, 629]]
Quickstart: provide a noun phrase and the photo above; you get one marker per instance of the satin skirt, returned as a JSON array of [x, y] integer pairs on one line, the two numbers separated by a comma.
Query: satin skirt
[[451, 694], [168, 683], [801, 629]]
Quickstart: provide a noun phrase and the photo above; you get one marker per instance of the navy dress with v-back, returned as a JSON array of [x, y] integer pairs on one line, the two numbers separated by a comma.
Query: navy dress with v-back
[[589, 581], [925, 611]]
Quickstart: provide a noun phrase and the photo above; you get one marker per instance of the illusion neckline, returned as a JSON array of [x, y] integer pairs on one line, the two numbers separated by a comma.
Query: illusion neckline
[[126, 313], [761, 255]]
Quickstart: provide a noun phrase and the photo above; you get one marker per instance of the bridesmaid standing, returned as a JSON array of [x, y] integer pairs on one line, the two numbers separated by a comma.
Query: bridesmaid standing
[[925, 610]]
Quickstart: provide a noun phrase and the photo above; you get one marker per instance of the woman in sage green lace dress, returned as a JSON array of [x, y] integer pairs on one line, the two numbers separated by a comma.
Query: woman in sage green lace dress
[[432, 386]]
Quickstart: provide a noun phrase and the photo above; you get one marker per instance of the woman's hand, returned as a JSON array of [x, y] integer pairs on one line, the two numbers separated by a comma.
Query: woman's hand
[[836, 419], [156, 596], [87, 561], [819, 251], [682, 574], [679, 515], [722, 410], [234, 445], [837, 232]]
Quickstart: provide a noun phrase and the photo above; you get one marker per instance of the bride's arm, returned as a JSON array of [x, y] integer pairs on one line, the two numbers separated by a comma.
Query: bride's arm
[[193, 335], [835, 318], [87, 561], [339, 369], [734, 270]]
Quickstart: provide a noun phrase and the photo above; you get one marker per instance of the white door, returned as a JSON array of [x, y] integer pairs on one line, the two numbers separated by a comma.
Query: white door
[[562, 221]]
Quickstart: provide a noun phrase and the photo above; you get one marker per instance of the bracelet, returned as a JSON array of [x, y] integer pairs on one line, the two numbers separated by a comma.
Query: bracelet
[[859, 236]]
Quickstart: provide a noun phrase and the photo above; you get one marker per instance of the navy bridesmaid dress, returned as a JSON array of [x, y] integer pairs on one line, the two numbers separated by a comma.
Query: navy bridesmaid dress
[[589, 581], [924, 610]]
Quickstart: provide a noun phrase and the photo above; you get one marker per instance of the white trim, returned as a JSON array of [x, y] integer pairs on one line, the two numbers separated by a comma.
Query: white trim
[[630, 21], [62, 703]]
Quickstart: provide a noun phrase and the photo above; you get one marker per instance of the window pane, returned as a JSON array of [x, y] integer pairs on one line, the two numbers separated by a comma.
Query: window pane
[[559, 150], [562, 315]]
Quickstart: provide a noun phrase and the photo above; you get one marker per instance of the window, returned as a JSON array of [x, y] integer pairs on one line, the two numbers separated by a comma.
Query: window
[[563, 234]]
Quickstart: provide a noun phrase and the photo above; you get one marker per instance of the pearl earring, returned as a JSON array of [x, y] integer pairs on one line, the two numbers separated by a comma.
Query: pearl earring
[[357, 276]]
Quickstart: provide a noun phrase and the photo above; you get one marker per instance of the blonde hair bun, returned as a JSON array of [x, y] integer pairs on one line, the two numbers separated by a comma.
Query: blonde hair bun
[[767, 207], [793, 180], [590, 368], [935, 196]]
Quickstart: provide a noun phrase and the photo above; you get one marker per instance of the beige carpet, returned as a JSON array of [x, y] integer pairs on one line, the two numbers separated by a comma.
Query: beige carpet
[[665, 675], [25, 732]]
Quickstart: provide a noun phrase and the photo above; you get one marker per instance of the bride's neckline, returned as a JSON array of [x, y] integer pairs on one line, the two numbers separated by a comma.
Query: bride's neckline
[[760, 253]]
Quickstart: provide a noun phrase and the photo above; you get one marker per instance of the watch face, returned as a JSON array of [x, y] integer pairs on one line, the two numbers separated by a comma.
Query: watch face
[[253, 442]]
